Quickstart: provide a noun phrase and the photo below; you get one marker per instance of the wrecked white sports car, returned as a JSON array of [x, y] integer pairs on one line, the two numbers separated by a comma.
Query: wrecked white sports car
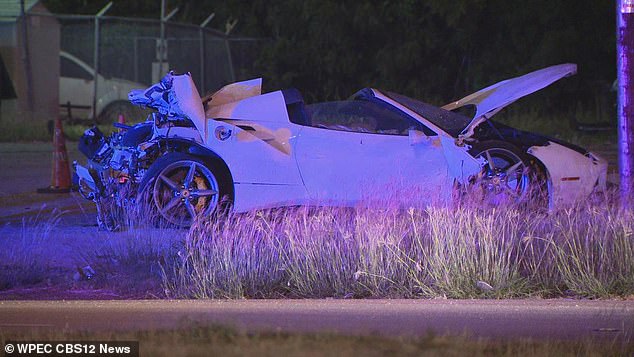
[[253, 150]]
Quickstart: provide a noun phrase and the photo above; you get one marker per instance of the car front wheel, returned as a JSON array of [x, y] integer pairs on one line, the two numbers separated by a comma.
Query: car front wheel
[[505, 177], [180, 187]]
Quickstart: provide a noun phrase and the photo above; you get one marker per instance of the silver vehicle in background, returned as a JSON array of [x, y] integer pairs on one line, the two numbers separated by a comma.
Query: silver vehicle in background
[[77, 87]]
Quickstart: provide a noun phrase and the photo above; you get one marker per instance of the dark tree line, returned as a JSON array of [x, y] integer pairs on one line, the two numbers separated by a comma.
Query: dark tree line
[[436, 50]]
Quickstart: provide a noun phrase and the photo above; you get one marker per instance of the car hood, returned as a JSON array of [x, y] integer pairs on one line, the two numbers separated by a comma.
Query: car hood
[[492, 99]]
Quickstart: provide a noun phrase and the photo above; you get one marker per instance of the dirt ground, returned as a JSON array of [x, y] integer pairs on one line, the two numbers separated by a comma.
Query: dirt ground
[[57, 231]]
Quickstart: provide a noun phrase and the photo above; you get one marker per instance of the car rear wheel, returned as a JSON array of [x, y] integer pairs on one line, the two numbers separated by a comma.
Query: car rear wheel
[[505, 178], [181, 187]]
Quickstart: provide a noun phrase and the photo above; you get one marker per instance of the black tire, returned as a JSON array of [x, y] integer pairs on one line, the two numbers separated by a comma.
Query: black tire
[[506, 178], [180, 187]]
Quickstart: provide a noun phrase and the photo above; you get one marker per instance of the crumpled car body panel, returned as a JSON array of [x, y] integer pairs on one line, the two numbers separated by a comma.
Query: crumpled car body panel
[[375, 147]]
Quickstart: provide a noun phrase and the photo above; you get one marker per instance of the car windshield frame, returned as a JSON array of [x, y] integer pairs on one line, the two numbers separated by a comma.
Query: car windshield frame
[[450, 122]]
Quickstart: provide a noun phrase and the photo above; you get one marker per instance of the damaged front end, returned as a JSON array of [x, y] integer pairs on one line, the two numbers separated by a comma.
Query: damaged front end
[[117, 164]]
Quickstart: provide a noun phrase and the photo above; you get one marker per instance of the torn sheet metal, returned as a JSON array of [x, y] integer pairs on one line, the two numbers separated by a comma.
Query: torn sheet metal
[[461, 165], [268, 107], [224, 100], [234, 92], [175, 96], [250, 131]]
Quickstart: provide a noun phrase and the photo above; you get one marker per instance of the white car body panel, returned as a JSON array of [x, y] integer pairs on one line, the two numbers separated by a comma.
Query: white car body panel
[[188, 100], [259, 132], [572, 176], [275, 162], [461, 165], [268, 107], [259, 196], [344, 168], [492, 99]]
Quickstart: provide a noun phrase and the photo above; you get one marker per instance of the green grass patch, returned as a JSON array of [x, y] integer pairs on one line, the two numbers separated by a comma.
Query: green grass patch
[[15, 130]]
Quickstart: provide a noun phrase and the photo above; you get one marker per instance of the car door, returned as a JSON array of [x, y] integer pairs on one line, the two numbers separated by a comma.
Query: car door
[[362, 150]]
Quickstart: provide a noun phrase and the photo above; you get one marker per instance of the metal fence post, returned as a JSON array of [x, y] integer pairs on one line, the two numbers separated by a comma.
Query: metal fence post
[[230, 59], [96, 59], [162, 44], [162, 37], [201, 33]]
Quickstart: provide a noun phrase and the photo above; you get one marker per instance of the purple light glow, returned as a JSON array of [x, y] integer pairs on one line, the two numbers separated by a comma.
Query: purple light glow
[[625, 99]]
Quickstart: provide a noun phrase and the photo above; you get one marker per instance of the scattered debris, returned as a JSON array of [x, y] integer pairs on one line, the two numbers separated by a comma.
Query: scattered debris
[[484, 286], [85, 273]]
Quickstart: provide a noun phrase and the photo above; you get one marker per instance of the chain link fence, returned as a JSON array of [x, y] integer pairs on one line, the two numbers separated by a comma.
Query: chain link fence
[[131, 49], [131, 55]]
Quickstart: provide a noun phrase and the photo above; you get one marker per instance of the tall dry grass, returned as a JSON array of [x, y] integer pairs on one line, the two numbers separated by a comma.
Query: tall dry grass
[[25, 263], [462, 252]]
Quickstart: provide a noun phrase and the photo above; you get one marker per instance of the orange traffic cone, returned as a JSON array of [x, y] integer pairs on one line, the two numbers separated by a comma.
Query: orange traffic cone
[[121, 120], [60, 176]]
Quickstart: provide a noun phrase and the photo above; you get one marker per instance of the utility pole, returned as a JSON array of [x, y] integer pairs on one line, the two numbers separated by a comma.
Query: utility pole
[[625, 97], [162, 38], [96, 59]]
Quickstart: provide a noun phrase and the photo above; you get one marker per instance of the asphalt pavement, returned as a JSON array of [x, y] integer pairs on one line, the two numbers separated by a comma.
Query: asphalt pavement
[[530, 318]]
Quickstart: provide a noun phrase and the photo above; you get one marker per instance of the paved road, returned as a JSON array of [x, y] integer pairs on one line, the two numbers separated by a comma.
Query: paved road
[[556, 319], [25, 167]]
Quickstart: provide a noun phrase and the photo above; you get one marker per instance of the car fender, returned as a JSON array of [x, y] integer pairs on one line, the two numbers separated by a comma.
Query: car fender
[[571, 175]]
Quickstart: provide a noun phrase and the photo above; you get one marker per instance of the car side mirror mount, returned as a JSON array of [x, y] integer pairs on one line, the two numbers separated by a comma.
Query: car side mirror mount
[[417, 137]]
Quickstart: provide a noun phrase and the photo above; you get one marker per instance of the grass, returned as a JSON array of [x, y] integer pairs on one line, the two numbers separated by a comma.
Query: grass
[[464, 252], [130, 262], [125, 264], [585, 251], [26, 263], [15, 130], [199, 340]]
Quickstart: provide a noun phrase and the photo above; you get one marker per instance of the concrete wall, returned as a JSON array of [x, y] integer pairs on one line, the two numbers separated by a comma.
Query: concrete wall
[[43, 50]]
